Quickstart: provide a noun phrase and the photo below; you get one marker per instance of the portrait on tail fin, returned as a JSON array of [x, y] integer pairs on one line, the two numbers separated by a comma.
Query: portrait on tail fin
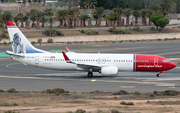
[[18, 46]]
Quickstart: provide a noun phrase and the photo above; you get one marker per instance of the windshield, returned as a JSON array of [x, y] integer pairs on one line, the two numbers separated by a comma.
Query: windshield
[[165, 60]]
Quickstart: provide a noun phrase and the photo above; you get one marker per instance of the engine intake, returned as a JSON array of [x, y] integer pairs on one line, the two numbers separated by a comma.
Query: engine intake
[[109, 71]]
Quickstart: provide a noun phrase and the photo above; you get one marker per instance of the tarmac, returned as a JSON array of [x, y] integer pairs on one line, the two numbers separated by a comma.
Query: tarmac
[[28, 78]]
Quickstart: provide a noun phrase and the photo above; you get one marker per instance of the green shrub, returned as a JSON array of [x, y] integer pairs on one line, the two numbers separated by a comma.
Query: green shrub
[[171, 92], [50, 40], [162, 22], [122, 31], [136, 93], [80, 111], [12, 90], [110, 29], [48, 91], [114, 111], [47, 32], [69, 112], [130, 103], [4, 104], [123, 103], [153, 29], [82, 31], [59, 33], [155, 17], [155, 92], [11, 111], [122, 92], [2, 91], [42, 91], [137, 28], [39, 40], [57, 90], [90, 32], [33, 42]]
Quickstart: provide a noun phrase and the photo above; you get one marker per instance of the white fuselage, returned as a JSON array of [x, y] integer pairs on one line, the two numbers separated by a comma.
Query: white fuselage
[[124, 62]]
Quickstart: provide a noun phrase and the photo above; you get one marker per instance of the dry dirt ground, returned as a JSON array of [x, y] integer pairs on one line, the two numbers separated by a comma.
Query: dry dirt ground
[[90, 102], [77, 33]]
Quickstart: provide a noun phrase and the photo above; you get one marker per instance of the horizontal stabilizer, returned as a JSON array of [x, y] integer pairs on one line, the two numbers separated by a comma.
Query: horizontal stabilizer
[[14, 54]]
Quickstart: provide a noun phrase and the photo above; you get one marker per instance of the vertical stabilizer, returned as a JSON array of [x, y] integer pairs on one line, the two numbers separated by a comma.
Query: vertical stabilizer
[[20, 44]]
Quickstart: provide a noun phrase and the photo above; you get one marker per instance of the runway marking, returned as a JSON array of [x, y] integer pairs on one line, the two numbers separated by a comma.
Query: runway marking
[[93, 80], [11, 64], [127, 86], [128, 48], [172, 87], [99, 45]]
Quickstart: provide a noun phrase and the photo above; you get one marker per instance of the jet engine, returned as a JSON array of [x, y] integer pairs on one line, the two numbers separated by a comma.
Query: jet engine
[[109, 71]]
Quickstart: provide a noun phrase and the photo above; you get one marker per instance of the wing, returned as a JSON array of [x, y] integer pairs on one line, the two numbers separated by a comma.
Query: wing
[[81, 66]]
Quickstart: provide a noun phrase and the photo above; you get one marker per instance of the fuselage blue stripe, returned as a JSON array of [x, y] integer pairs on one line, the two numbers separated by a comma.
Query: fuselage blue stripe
[[134, 59], [11, 27]]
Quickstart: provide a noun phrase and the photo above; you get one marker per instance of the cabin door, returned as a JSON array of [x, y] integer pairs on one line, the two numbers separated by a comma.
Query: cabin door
[[36, 60]]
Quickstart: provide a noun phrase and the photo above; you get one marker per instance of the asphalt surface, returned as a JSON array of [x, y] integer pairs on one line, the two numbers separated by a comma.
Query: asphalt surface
[[27, 78]]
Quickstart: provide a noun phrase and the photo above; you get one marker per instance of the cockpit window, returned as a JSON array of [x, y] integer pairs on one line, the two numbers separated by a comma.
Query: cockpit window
[[165, 60]]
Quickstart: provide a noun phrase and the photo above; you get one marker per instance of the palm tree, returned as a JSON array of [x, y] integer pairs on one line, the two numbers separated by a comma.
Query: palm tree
[[21, 18], [136, 14], [51, 21], [119, 11], [32, 14], [39, 14], [26, 20], [84, 18], [127, 13], [149, 13], [43, 20], [16, 19], [61, 15], [99, 11], [90, 4], [95, 16], [76, 16], [155, 8], [164, 8], [106, 19], [71, 11], [113, 16], [144, 14]]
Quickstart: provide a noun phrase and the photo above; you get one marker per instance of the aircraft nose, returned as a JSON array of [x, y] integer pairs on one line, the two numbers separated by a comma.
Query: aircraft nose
[[172, 65]]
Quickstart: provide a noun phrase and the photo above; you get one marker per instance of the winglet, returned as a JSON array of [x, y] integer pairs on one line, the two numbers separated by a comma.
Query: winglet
[[10, 23], [66, 58], [67, 50]]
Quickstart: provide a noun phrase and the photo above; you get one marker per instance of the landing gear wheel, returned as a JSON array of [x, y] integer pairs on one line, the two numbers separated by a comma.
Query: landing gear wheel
[[90, 74], [158, 75]]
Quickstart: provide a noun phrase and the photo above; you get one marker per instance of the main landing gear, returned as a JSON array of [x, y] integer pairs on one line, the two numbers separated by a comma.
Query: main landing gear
[[90, 74], [158, 75]]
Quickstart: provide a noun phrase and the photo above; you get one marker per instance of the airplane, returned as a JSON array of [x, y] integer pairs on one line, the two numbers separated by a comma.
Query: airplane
[[105, 64]]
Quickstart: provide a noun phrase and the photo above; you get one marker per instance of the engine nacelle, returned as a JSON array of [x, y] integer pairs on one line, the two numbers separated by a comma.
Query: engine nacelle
[[109, 71]]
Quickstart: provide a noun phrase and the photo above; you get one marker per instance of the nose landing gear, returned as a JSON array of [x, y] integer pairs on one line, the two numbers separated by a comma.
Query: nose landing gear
[[158, 75]]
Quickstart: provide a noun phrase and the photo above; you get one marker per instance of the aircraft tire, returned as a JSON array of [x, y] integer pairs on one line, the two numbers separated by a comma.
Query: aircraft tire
[[90, 74], [158, 75]]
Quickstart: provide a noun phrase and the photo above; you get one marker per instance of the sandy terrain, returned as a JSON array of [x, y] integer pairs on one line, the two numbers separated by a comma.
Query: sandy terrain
[[91, 103]]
